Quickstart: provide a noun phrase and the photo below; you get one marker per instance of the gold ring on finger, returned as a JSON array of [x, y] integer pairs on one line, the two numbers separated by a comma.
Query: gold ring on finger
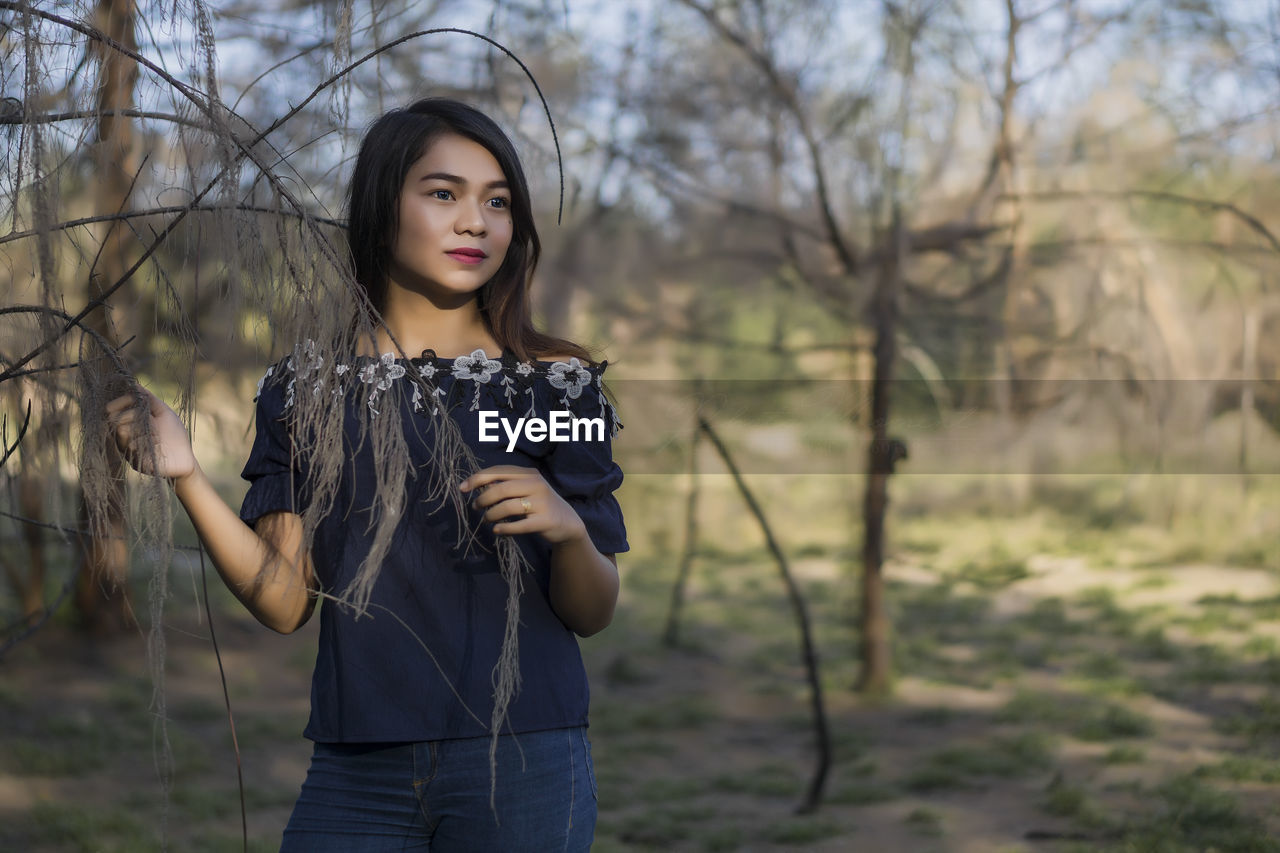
[[528, 507]]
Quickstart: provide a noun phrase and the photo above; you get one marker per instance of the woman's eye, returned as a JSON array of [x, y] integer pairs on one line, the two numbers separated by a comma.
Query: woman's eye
[[499, 202], [443, 195]]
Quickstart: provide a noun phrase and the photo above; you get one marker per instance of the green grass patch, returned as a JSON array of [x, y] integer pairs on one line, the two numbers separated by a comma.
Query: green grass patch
[[1101, 666], [624, 671], [195, 803], [1257, 554], [623, 749], [1198, 816], [848, 745], [1219, 599], [12, 698], [198, 711], [1206, 664], [1084, 716], [1153, 644], [65, 744], [1152, 581], [1063, 799], [90, 829], [1005, 757], [129, 696], [254, 729], [1182, 553], [1106, 614], [664, 789], [1049, 616], [1032, 707], [920, 544], [939, 609], [1123, 687], [720, 839], [1125, 754], [925, 822], [1260, 724], [661, 827], [1213, 618], [682, 712], [1264, 645], [998, 570], [228, 843], [690, 712], [861, 792], [802, 830], [1111, 722], [767, 780], [1242, 768], [28, 757], [937, 716]]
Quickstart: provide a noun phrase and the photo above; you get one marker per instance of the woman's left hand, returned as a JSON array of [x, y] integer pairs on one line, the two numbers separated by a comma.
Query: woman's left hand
[[527, 500]]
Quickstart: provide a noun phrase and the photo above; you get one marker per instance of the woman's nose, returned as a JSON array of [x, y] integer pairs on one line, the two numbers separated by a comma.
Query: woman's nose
[[470, 218]]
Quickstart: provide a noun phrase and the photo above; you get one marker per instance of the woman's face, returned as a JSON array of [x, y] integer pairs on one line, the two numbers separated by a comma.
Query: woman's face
[[455, 220]]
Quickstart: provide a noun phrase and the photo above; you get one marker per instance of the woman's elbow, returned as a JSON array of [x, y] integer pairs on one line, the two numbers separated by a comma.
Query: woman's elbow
[[589, 625], [591, 630], [288, 623]]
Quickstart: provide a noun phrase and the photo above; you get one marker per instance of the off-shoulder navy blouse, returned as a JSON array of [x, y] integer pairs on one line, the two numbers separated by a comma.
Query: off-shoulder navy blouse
[[418, 666]]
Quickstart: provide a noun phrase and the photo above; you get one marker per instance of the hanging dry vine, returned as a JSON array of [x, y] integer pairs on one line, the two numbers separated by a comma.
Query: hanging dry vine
[[281, 262]]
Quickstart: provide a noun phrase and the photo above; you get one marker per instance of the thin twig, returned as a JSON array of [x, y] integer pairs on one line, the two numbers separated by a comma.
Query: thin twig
[[814, 795], [161, 211], [671, 634], [848, 255], [109, 350], [73, 115], [226, 698], [10, 449], [73, 531]]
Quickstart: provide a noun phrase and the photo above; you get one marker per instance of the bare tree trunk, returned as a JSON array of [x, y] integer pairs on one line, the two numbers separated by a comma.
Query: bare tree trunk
[[1000, 177], [100, 598], [864, 371], [876, 673]]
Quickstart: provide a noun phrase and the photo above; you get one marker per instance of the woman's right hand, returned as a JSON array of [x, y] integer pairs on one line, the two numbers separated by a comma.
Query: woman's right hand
[[170, 455], [247, 560]]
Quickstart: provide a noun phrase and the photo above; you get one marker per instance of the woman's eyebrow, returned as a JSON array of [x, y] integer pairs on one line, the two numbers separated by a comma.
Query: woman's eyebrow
[[455, 179]]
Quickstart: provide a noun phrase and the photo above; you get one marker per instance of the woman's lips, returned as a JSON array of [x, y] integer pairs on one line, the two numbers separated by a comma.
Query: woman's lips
[[467, 256]]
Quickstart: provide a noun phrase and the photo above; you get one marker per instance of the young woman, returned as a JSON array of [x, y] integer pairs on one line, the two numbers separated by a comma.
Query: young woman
[[431, 732]]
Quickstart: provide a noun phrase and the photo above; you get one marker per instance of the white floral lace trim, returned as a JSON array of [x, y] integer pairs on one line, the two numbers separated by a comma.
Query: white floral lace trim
[[571, 377]]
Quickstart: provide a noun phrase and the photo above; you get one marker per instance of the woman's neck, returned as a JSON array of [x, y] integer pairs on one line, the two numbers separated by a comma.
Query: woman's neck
[[418, 323]]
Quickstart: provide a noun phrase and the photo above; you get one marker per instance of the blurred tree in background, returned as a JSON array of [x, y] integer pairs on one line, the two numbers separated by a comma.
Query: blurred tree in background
[[949, 206]]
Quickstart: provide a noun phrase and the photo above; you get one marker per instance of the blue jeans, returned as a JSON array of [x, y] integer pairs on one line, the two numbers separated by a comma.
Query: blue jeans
[[434, 796]]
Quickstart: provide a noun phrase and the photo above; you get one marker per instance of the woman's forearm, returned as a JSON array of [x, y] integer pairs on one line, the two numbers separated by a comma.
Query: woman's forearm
[[269, 574], [584, 585]]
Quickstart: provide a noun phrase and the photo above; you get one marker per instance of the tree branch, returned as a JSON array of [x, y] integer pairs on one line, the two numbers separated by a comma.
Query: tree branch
[[10, 449], [847, 254], [161, 211], [1248, 219], [809, 652], [17, 116]]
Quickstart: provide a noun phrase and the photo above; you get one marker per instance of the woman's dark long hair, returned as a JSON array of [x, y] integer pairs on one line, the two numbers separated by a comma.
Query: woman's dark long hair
[[390, 148]]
